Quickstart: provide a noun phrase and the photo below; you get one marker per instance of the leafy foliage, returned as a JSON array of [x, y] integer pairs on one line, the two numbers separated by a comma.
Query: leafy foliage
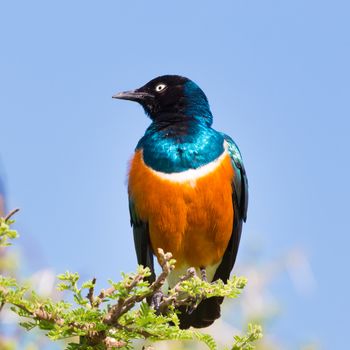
[[113, 318], [246, 342], [5, 232]]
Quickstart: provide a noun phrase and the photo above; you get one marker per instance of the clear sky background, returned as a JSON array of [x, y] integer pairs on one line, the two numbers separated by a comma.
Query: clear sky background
[[277, 76]]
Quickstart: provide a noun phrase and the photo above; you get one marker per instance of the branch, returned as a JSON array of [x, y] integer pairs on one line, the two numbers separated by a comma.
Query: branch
[[10, 214], [124, 305], [167, 301], [120, 323], [90, 295]]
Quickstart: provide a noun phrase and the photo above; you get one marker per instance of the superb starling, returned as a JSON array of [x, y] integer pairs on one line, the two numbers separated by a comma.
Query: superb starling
[[188, 190]]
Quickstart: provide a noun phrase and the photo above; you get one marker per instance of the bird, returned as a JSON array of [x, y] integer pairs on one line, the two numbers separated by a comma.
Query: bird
[[187, 187]]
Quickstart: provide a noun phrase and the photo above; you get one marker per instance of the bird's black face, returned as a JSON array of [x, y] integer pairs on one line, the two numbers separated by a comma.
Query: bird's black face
[[162, 95]]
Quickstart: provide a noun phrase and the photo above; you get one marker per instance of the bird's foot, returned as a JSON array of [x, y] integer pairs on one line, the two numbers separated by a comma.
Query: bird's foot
[[156, 300], [193, 304], [204, 274]]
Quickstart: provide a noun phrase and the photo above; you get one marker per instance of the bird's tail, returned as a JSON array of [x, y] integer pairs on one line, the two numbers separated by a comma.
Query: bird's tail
[[204, 315]]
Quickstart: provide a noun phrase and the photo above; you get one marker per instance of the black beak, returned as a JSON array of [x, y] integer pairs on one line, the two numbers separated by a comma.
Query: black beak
[[133, 95]]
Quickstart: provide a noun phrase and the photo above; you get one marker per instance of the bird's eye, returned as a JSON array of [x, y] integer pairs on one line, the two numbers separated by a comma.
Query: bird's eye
[[160, 87]]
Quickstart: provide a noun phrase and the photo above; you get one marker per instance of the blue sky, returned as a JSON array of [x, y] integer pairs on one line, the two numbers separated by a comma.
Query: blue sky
[[277, 76]]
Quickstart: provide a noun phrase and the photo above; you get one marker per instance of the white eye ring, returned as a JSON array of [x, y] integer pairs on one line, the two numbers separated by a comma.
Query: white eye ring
[[160, 87]]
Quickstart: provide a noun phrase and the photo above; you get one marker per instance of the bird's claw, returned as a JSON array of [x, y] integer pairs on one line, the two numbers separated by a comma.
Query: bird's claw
[[193, 305], [204, 274], [156, 300]]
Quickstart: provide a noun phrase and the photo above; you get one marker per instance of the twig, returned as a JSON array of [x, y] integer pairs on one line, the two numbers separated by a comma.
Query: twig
[[124, 305], [112, 343], [2, 305], [132, 330], [166, 269], [10, 214], [41, 314], [90, 295], [174, 298], [106, 293]]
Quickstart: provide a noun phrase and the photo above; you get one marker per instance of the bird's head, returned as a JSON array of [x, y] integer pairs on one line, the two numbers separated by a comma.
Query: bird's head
[[171, 95]]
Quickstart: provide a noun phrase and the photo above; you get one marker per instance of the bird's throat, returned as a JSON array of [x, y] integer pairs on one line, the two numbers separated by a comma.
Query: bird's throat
[[180, 146]]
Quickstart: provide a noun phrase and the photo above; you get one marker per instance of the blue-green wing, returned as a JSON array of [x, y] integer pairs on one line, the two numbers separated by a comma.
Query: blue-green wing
[[240, 184], [240, 205]]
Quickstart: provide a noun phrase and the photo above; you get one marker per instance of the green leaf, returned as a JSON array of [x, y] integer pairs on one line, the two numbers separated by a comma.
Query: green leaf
[[133, 317]]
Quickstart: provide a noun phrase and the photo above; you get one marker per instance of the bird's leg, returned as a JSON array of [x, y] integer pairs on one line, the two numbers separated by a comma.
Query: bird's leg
[[204, 274], [156, 300], [193, 305]]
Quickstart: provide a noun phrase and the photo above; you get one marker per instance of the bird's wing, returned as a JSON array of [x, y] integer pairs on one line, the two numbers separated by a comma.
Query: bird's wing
[[142, 241], [240, 205], [209, 309]]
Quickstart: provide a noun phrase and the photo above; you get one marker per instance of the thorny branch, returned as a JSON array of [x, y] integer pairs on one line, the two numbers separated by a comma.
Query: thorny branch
[[173, 299], [114, 326], [122, 305]]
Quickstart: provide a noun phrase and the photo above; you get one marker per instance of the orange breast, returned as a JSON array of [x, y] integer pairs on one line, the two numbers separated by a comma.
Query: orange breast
[[192, 220]]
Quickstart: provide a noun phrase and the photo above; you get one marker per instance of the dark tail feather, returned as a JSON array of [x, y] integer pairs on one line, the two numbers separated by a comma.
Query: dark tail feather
[[203, 316]]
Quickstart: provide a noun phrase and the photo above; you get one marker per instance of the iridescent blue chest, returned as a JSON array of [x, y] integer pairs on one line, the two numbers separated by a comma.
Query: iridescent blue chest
[[180, 147]]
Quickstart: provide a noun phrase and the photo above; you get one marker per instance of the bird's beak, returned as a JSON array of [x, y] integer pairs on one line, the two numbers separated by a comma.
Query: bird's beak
[[133, 95]]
